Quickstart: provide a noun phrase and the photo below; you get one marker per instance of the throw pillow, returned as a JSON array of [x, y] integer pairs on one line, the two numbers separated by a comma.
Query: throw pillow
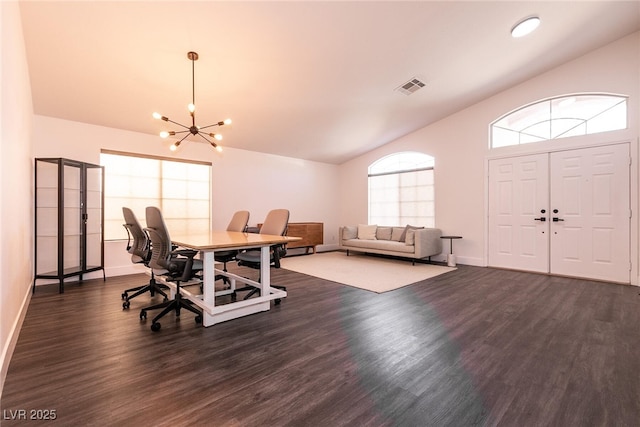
[[349, 232], [396, 233], [410, 238], [408, 227], [367, 232], [383, 233]]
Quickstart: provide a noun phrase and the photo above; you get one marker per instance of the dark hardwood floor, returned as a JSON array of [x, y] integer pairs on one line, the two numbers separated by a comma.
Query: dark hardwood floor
[[477, 346]]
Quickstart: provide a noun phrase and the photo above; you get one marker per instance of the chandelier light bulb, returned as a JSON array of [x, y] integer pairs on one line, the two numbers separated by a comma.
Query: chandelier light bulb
[[192, 108], [173, 147], [219, 149], [164, 134], [227, 122], [157, 116]]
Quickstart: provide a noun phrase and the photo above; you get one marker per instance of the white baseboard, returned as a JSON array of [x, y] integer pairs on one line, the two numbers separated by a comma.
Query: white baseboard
[[108, 272], [477, 262], [124, 270], [14, 333], [328, 248]]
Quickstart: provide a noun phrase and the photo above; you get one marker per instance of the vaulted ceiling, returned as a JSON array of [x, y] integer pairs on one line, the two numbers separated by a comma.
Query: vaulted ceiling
[[310, 80]]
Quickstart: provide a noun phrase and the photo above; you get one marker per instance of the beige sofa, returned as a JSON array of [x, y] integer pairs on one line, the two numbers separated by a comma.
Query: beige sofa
[[409, 242]]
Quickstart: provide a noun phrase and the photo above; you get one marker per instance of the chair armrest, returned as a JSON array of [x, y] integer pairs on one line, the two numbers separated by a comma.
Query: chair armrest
[[189, 254]]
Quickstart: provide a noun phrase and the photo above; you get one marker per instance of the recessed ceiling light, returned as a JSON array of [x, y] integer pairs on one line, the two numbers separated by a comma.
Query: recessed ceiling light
[[525, 26]]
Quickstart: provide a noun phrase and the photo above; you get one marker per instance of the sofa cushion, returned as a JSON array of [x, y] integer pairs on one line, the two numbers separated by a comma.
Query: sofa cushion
[[382, 245], [350, 232], [383, 233], [396, 233], [407, 228], [367, 232]]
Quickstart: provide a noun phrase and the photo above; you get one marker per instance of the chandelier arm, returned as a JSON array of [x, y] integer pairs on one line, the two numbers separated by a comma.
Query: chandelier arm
[[183, 138], [208, 126], [207, 139], [176, 123]]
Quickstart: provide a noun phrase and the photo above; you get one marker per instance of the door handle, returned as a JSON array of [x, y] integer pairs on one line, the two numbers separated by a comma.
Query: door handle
[[555, 219], [542, 219]]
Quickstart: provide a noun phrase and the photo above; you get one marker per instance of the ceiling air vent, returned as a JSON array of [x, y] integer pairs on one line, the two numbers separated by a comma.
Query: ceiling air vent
[[411, 86]]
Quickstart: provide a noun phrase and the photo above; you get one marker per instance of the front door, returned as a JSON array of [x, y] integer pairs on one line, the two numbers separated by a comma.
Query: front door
[[590, 213], [518, 208], [564, 213]]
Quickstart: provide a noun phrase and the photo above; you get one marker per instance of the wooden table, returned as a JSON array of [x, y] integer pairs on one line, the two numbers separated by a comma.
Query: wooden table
[[207, 244]]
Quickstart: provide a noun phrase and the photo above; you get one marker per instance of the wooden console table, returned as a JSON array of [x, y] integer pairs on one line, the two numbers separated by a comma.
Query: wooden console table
[[311, 234]]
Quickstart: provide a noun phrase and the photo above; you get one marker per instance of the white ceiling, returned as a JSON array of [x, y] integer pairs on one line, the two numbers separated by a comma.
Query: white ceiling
[[310, 80]]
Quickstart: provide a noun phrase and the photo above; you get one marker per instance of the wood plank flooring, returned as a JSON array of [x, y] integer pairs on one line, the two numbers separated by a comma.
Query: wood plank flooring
[[477, 346]]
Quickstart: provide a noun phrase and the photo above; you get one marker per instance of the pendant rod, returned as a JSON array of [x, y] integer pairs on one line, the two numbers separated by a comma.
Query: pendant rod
[[193, 79]]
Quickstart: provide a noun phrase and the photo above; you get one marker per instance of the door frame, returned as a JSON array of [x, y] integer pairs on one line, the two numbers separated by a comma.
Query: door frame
[[596, 140]]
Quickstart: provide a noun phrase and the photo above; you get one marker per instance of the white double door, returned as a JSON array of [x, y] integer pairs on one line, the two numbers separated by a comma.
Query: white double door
[[565, 213]]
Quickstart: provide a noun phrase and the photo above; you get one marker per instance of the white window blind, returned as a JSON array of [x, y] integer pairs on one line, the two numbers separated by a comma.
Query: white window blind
[[181, 189], [401, 190]]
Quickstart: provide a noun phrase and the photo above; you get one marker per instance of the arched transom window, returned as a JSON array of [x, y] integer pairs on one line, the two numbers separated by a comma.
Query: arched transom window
[[560, 117], [401, 190]]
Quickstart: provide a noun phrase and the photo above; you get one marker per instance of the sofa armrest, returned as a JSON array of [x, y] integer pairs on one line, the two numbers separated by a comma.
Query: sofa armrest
[[428, 242]]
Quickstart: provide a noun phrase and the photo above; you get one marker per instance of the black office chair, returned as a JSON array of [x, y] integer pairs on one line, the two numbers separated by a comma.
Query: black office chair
[[238, 222], [138, 245], [178, 266], [275, 224]]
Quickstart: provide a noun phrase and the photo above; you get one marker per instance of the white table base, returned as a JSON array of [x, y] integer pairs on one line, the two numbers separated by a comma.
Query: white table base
[[212, 313]]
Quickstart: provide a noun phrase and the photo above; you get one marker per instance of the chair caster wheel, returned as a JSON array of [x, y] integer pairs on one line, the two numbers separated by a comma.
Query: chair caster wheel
[[124, 295], [277, 301], [155, 327], [143, 315], [126, 305], [199, 320]]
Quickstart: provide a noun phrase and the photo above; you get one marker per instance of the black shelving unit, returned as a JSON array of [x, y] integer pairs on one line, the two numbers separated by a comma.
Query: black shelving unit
[[69, 219]]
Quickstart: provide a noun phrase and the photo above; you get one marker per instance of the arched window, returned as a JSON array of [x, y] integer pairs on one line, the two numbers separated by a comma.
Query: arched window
[[401, 190], [560, 117]]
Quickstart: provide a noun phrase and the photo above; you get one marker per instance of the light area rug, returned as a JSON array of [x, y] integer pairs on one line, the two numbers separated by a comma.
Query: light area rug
[[372, 273]]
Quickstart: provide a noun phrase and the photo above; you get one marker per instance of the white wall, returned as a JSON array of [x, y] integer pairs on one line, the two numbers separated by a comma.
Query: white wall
[[459, 144], [16, 183], [241, 179]]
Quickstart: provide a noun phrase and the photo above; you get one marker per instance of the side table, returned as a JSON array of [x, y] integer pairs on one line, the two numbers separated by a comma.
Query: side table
[[451, 258]]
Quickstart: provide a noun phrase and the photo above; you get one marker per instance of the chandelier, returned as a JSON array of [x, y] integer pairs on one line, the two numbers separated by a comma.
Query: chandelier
[[193, 129]]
